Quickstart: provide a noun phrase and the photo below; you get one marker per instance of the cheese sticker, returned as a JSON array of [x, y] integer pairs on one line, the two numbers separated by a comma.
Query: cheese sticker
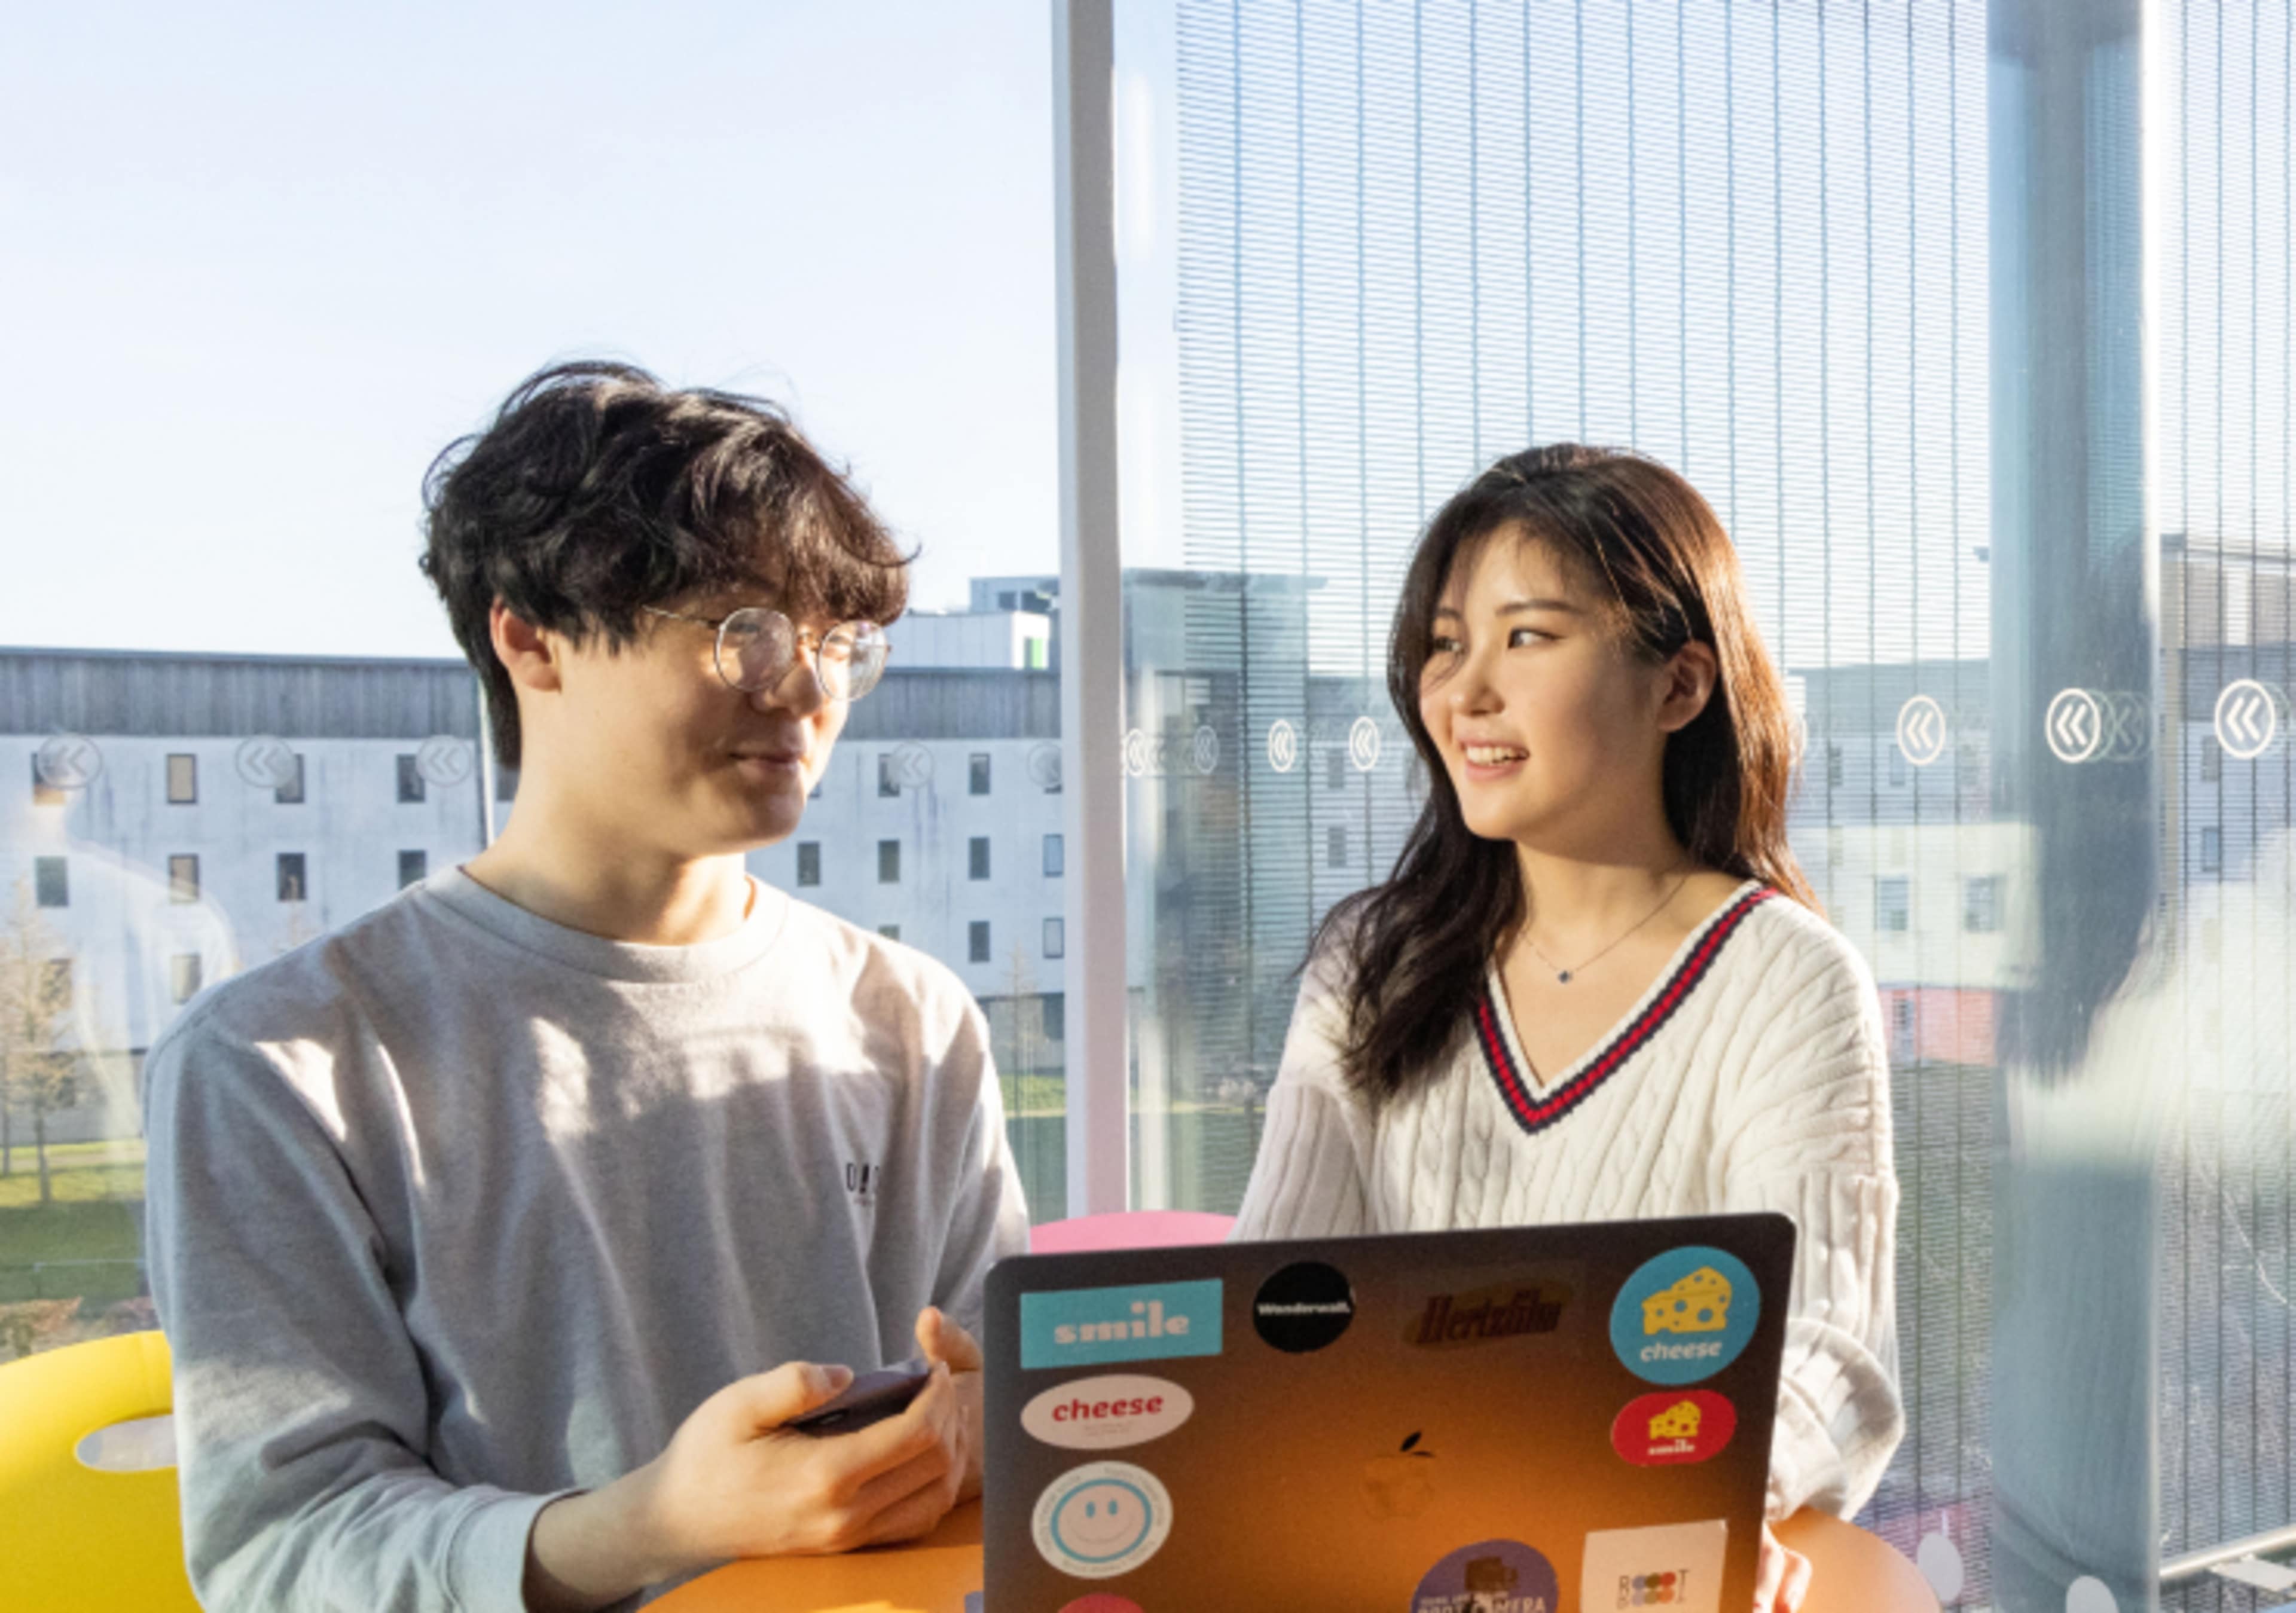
[[1685, 1316]]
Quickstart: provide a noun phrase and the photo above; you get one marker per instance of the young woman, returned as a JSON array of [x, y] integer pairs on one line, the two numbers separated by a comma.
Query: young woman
[[1596, 985]]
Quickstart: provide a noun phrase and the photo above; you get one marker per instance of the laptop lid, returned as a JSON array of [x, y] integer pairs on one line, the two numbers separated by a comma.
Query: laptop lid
[[1534, 1419]]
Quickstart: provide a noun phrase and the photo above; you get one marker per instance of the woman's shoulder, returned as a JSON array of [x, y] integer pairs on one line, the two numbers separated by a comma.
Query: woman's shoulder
[[1790, 956]]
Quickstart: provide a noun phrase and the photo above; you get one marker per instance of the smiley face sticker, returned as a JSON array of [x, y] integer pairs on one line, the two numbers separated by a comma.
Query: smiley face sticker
[[1101, 1520]]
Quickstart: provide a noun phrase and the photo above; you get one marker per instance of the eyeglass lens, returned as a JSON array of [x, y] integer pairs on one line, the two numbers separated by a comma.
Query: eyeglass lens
[[756, 647]]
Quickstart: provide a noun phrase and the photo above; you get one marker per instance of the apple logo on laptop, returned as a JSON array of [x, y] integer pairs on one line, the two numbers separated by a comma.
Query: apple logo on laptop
[[1400, 1483]]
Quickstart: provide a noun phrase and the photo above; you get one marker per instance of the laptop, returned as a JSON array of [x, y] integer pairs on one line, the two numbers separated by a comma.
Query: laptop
[[1532, 1419]]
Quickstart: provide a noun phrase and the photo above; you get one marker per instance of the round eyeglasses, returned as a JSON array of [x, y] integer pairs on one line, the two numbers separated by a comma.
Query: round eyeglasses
[[756, 647]]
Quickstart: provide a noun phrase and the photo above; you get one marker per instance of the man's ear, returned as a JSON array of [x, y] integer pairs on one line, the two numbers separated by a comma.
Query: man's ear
[[531, 654], [1689, 684]]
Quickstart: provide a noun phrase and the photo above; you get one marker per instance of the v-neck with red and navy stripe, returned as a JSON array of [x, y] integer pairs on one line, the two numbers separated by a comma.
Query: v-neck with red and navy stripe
[[1535, 1106]]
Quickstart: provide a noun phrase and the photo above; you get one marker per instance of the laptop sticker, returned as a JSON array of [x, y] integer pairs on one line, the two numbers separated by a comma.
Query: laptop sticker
[[1685, 1316], [1304, 1307], [1500, 1310], [1675, 1566], [1102, 1601], [1107, 1414], [1102, 1519], [1489, 1576], [1093, 1326], [1401, 1483], [1675, 1429]]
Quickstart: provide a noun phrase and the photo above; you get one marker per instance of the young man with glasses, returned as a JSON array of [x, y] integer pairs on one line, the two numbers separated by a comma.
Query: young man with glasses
[[499, 1235]]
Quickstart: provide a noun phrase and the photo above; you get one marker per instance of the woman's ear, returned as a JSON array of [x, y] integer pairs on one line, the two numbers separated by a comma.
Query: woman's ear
[[1687, 686]]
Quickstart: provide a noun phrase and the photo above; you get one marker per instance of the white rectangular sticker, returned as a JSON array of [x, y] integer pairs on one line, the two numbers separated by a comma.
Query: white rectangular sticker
[[1673, 1566]]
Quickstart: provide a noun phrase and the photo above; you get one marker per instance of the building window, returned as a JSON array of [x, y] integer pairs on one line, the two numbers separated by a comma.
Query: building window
[[183, 780], [1897, 766], [980, 783], [291, 793], [889, 861], [977, 941], [1902, 1045], [1980, 905], [413, 868], [184, 976], [44, 794], [410, 779], [1336, 846], [1893, 905], [51, 881], [1056, 1016], [977, 857], [183, 878], [2212, 851], [891, 932], [293, 886], [1056, 857], [1056, 937], [1833, 767], [59, 983], [888, 777], [1335, 769], [808, 861]]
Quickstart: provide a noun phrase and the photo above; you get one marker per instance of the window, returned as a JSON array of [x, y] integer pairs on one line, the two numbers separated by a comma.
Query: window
[[183, 878], [1056, 857], [1892, 905], [889, 774], [1980, 905], [293, 886], [1897, 766], [51, 881], [411, 783], [184, 976], [59, 984], [889, 861], [977, 857], [891, 932], [1056, 937], [413, 868], [808, 861], [2211, 759], [977, 941], [291, 793], [1833, 767], [979, 774], [1335, 769], [1903, 1047], [1056, 1017], [2211, 849], [182, 779], [1336, 846], [44, 794]]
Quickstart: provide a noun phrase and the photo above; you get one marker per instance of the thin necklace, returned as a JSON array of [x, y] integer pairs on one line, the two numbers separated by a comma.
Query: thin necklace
[[1562, 976]]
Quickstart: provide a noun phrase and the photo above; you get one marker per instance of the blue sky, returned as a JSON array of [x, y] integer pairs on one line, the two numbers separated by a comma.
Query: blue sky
[[259, 263]]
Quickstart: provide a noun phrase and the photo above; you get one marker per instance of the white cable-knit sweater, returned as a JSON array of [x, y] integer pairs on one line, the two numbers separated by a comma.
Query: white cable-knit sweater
[[1753, 1076]]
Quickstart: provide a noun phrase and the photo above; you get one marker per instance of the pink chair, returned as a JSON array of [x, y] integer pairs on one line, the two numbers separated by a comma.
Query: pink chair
[[1129, 1229]]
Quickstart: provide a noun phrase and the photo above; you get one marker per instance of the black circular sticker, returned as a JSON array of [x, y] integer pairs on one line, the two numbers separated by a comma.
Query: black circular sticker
[[1303, 1308]]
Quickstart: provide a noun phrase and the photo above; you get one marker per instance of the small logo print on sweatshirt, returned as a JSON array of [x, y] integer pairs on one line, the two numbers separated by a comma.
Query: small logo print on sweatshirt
[[862, 1180]]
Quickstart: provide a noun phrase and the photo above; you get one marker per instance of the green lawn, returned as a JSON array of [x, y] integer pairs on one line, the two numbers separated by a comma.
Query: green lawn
[[96, 1214]]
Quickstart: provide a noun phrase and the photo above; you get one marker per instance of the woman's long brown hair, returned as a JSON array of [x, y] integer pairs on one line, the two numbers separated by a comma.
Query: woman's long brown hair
[[1414, 949]]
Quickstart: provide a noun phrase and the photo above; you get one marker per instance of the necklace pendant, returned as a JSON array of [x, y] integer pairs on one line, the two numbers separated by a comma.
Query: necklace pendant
[[1564, 978]]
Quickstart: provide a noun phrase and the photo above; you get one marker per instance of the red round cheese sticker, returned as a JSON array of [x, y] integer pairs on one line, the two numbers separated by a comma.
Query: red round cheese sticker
[[1674, 1429]]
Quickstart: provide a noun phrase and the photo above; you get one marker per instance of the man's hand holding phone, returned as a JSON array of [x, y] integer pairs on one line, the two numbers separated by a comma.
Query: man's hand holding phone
[[737, 1480]]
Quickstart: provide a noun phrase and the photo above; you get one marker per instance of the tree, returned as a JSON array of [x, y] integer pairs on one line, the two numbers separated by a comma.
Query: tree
[[38, 1071]]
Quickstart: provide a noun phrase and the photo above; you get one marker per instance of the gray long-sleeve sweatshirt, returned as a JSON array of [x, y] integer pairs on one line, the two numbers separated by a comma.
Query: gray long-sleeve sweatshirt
[[456, 1210]]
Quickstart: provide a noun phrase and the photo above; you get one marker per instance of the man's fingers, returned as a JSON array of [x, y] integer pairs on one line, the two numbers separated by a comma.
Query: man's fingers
[[942, 1338], [766, 1400], [883, 1446], [912, 1516]]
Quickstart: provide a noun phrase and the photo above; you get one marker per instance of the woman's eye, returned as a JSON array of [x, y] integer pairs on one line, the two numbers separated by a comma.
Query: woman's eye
[[1445, 645], [1523, 636]]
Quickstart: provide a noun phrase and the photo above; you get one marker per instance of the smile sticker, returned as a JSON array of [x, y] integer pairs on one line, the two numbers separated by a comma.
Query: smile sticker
[[1101, 1520]]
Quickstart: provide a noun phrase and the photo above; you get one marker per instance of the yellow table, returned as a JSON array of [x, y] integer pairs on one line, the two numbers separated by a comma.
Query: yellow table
[[1853, 1573]]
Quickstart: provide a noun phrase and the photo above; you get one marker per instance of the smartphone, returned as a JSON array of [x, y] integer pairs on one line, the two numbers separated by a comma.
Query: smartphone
[[870, 1397]]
